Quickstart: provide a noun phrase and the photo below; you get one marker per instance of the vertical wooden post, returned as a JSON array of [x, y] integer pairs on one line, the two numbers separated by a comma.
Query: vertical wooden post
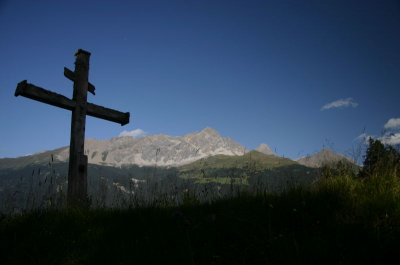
[[77, 174]]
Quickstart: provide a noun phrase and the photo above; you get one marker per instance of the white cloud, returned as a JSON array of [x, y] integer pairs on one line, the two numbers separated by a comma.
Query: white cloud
[[391, 134], [135, 133], [361, 136], [391, 139], [392, 123], [364, 138], [340, 103]]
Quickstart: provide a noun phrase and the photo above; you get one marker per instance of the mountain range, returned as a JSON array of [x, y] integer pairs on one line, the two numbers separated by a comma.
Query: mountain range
[[128, 165], [160, 150]]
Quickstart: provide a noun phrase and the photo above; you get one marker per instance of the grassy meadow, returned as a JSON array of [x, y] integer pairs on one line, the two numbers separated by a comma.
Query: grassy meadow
[[340, 218]]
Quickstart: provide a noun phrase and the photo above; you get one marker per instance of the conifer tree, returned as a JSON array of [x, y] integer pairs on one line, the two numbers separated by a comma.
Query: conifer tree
[[379, 159]]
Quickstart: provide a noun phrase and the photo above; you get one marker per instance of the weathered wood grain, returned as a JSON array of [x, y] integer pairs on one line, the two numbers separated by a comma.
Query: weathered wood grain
[[39, 94], [71, 76], [42, 95], [107, 114], [77, 174]]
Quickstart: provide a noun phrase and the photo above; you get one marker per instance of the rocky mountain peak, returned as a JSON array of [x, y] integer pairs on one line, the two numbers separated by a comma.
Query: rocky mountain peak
[[160, 150], [264, 148], [211, 132], [325, 156]]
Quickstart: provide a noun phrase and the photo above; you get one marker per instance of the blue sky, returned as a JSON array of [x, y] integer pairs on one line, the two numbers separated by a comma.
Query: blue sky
[[296, 75]]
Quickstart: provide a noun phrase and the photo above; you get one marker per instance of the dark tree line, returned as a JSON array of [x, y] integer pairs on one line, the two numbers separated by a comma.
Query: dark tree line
[[380, 159]]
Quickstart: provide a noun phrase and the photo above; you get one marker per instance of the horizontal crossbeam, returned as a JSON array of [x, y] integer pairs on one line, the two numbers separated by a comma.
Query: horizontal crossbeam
[[39, 94], [107, 114]]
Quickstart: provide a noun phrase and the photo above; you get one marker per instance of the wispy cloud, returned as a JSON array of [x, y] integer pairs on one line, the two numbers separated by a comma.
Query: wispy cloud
[[364, 138], [340, 103], [135, 133], [392, 123]]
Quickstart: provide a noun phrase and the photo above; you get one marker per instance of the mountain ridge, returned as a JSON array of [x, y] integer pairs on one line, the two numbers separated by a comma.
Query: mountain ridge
[[160, 150], [153, 150], [323, 157], [223, 161]]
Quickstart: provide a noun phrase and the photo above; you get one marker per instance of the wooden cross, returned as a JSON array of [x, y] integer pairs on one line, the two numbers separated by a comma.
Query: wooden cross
[[77, 173]]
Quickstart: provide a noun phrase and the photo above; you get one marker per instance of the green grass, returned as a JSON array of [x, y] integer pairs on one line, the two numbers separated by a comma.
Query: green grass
[[337, 220], [238, 170], [262, 161], [222, 180]]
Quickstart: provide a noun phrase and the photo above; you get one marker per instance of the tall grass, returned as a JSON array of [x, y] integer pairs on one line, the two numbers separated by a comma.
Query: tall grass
[[338, 219]]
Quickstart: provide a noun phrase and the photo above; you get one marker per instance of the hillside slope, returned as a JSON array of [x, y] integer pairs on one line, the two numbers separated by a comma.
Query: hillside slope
[[324, 157], [223, 161]]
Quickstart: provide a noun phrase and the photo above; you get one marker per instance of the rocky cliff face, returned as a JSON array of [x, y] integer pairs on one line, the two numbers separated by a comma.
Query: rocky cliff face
[[263, 148], [160, 150]]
